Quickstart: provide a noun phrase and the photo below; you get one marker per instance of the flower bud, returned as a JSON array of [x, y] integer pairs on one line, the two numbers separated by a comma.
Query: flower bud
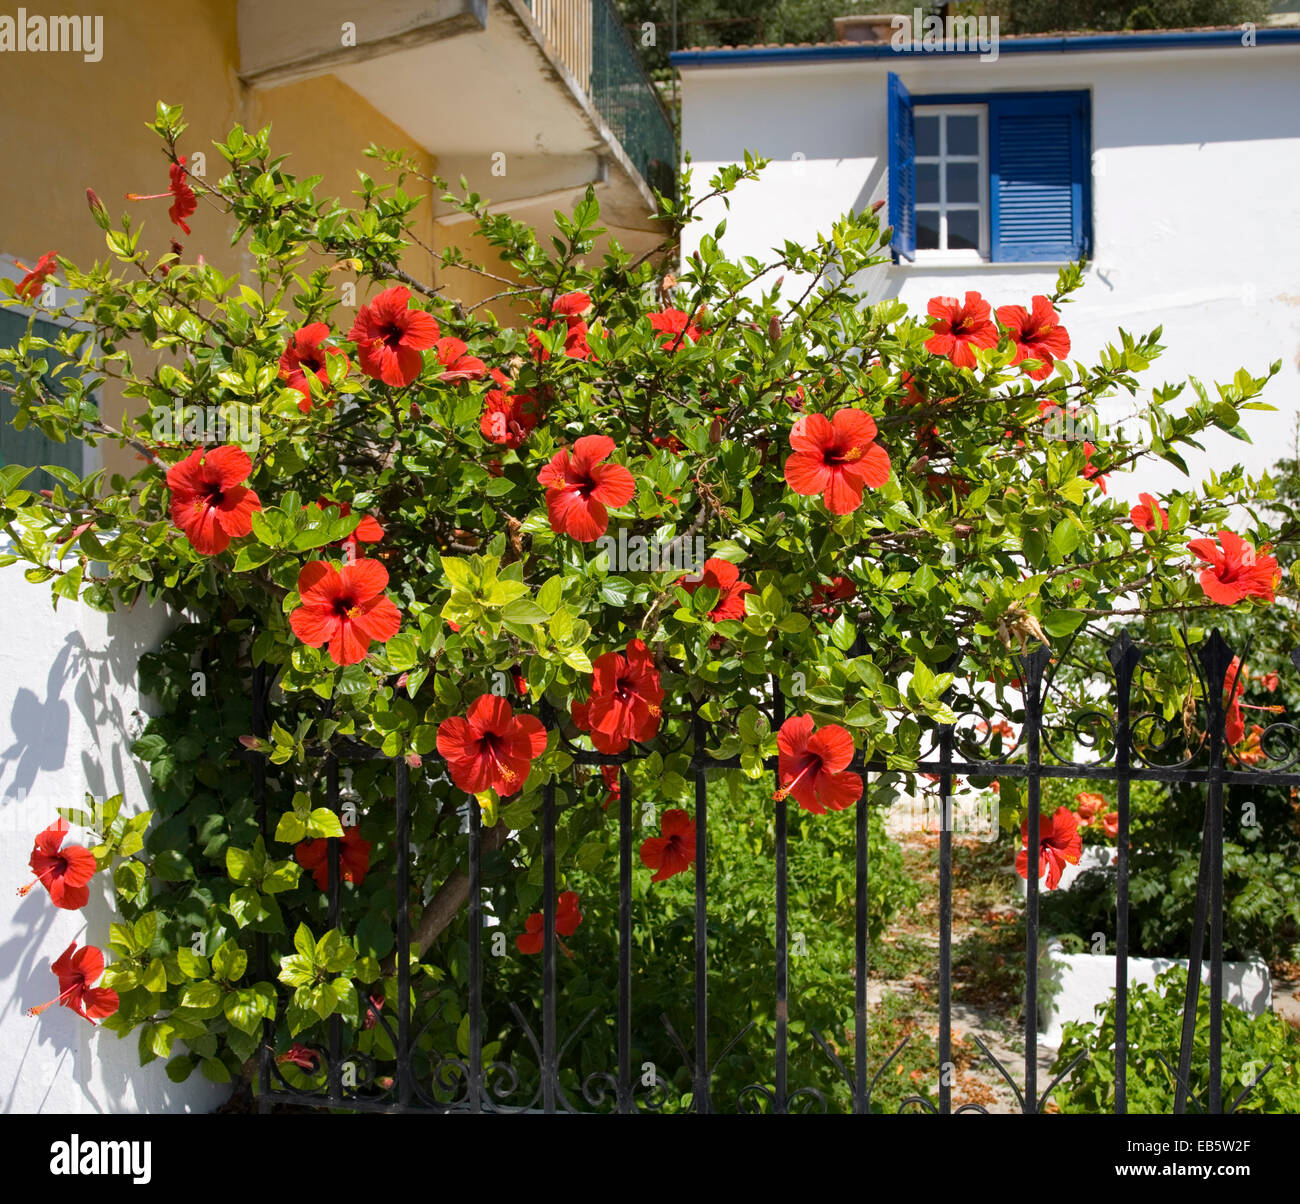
[[878, 206], [97, 210], [414, 760], [774, 329], [255, 743]]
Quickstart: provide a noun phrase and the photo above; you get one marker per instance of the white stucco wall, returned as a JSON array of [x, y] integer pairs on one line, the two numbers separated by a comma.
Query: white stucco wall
[[67, 693], [1196, 200]]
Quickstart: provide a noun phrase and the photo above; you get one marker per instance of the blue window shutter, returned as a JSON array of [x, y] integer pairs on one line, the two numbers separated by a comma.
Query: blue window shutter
[[1039, 169], [902, 170], [29, 446]]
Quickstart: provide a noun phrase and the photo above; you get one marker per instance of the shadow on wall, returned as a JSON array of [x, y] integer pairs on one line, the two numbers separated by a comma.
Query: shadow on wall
[[110, 703], [40, 725], [90, 704]]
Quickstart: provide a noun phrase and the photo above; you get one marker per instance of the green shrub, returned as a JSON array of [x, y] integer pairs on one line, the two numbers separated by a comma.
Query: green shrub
[[1155, 1019]]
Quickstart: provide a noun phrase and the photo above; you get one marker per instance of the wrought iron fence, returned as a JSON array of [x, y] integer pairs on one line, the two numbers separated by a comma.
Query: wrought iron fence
[[1125, 747]]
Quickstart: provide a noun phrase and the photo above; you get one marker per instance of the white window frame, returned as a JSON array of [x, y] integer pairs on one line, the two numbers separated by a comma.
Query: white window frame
[[959, 255]]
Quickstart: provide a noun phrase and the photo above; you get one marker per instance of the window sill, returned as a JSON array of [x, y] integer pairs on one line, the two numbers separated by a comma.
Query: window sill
[[977, 265]]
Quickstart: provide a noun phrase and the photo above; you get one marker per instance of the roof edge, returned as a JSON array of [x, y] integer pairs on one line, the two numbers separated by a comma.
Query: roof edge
[[1052, 44]]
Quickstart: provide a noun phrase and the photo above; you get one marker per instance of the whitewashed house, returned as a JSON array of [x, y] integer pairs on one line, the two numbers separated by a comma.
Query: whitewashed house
[[1170, 159]]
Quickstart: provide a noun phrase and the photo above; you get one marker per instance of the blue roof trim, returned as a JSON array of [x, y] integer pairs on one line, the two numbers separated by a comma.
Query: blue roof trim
[[1069, 44]]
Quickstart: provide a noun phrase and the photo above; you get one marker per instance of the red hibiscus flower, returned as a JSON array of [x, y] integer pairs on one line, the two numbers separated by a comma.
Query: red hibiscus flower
[[1038, 335], [1270, 681], [723, 576], [1110, 825], [1250, 751], [508, 417], [626, 700], [1148, 515], [1059, 843], [1089, 806], [456, 365], [675, 326], [825, 598], [307, 353], [367, 530], [490, 746], [208, 502], [669, 443], [32, 283], [1234, 686], [390, 336], [184, 202], [912, 396], [959, 328], [568, 309], [613, 786], [300, 1056], [1234, 570], [75, 972], [673, 851], [567, 919], [354, 858], [813, 764], [836, 458], [1090, 470], [63, 871], [345, 609], [579, 488]]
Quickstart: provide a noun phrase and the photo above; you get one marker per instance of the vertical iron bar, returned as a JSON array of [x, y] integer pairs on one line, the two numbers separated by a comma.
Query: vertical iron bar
[[782, 925], [475, 960], [700, 1086], [549, 1067], [1032, 683], [625, 1102], [1218, 661], [402, 851], [1124, 656], [1216, 932], [335, 892], [261, 728], [945, 920], [1192, 998], [860, 957]]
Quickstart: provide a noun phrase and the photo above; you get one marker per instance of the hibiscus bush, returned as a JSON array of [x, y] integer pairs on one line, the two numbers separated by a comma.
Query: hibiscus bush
[[479, 546]]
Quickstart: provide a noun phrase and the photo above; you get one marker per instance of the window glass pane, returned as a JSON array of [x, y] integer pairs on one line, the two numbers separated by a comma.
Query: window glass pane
[[926, 135], [963, 230], [927, 229], [927, 183], [963, 135], [963, 181]]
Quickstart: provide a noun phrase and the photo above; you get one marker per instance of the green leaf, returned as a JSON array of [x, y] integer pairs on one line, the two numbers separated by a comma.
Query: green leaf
[[229, 962], [191, 964], [291, 829], [201, 995], [524, 611], [402, 652], [1062, 622], [551, 594], [155, 978]]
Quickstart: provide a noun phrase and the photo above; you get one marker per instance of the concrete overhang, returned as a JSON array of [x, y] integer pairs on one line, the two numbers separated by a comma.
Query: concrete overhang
[[473, 82]]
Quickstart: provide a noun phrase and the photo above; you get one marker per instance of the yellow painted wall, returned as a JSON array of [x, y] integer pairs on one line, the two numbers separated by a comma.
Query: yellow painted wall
[[66, 125]]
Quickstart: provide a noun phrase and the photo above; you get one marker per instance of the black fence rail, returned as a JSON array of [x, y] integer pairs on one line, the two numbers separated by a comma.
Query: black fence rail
[[1124, 747]]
